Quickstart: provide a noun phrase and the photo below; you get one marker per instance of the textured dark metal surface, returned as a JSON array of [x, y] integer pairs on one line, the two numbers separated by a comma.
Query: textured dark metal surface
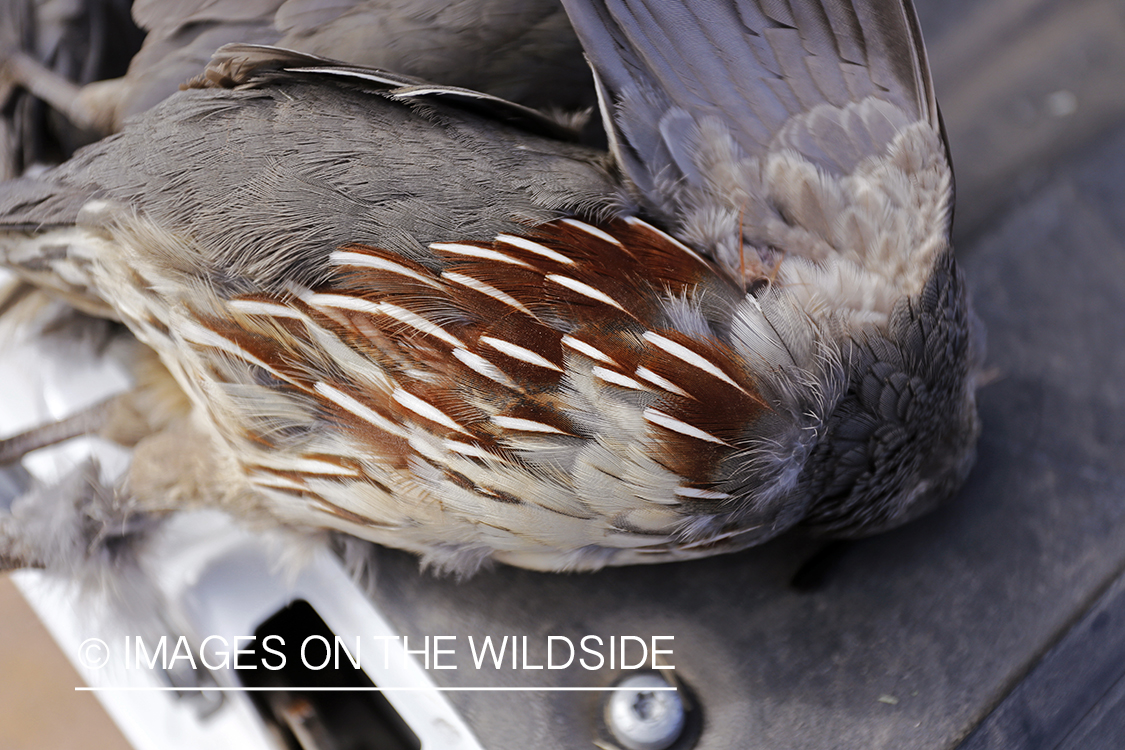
[[915, 637], [1024, 86], [1074, 699]]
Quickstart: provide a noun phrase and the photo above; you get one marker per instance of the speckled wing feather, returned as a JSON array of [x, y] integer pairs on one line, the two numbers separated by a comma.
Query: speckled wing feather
[[693, 89]]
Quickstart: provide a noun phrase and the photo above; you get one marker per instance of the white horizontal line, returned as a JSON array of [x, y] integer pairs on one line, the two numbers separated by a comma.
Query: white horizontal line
[[584, 348], [258, 307], [617, 378], [388, 80], [473, 689], [518, 352], [701, 493], [297, 465]]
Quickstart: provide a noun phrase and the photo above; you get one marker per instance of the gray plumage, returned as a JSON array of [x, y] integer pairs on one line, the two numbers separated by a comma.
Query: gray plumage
[[703, 94], [522, 51], [326, 142], [78, 57]]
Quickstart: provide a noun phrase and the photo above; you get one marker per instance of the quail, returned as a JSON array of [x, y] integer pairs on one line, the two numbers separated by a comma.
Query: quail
[[424, 317]]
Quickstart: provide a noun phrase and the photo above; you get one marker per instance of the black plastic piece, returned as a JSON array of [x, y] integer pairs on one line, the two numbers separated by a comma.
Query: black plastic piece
[[360, 720]]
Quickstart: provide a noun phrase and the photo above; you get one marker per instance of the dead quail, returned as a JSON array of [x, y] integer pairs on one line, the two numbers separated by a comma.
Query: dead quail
[[420, 316]]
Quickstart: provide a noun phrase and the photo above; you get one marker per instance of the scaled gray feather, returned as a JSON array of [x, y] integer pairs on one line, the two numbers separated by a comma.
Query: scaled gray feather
[[832, 80]]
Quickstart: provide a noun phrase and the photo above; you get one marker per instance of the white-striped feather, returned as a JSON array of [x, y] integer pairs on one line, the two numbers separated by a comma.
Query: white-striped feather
[[202, 336], [583, 348], [346, 402], [269, 309], [466, 449], [525, 425], [700, 494], [482, 366], [401, 314], [617, 378], [682, 353], [646, 374], [669, 422], [487, 289], [592, 230], [667, 237], [425, 409], [533, 247], [518, 352], [472, 251], [363, 260], [419, 323], [584, 289], [289, 464], [268, 479], [342, 302]]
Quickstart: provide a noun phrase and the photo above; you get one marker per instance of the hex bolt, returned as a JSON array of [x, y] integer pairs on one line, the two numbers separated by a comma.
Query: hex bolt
[[642, 717]]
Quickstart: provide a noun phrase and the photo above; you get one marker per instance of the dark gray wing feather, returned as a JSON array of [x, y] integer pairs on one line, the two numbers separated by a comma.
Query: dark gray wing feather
[[250, 64], [523, 51], [764, 69]]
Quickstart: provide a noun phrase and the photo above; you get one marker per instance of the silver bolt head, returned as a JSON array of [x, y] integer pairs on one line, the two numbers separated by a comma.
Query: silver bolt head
[[643, 718]]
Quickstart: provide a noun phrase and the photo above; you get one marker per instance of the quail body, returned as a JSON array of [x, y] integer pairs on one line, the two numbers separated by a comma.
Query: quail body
[[423, 317]]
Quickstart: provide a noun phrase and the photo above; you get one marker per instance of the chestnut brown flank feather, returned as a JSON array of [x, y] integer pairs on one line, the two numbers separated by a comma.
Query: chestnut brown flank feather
[[408, 320]]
